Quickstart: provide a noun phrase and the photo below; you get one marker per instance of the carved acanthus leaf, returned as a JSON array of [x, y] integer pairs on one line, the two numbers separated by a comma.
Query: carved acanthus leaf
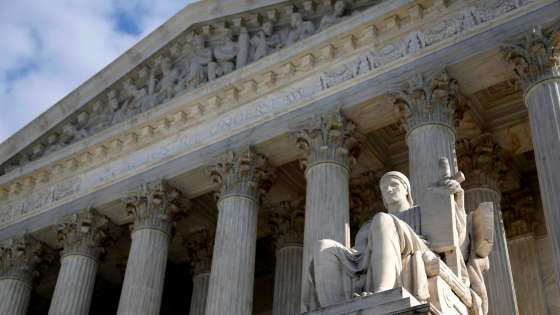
[[535, 58], [432, 98], [479, 159], [22, 258], [85, 233], [517, 213], [156, 206], [328, 139], [286, 221], [365, 196], [243, 173], [200, 247]]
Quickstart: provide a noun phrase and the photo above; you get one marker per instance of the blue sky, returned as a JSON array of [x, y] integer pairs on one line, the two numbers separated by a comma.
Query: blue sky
[[49, 47]]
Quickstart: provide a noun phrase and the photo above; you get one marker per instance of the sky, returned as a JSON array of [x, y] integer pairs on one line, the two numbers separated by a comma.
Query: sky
[[50, 47]]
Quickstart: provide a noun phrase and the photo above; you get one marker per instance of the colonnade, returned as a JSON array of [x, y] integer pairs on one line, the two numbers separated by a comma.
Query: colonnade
[[224, 264]]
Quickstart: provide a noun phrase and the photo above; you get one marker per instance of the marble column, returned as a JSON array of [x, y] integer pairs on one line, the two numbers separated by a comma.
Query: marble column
[[478, 159], [329, 148], [21, 257], [83, 237], [200, 246], [536, 63], [242, 177], [287, 223], [154, 208], [517, 209], [431, 106]]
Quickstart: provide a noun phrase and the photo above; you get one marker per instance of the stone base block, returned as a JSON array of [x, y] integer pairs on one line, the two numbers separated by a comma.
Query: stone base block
[[391, 302]]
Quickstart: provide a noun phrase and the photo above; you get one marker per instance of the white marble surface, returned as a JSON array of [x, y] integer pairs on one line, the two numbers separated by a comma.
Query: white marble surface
[[201, 283], [546, 265], [15, 296], [287, 280]]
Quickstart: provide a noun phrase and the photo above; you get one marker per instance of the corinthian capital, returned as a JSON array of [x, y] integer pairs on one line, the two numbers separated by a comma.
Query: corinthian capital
[[365, 196], [432, 98], [286, 221], [200, 247], [479, 159], [517, 213], [536, 57], [156, 206], [329, 138], [85, 233], [22, 258], [242, 173]]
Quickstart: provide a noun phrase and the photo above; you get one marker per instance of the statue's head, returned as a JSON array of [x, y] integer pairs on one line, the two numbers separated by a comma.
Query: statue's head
[[339, 8], [395, 189], [198, 41], [227, 35], [267, 28], [296, 19], [114, 104], [165, 63]]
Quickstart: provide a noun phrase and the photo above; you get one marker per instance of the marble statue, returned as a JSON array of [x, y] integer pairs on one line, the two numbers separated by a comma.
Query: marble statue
[[167, 85], [243, 43], [391, 252], [224, 54], [138, 99], [265, 42], [198, 70], [300, 30], [336, 17]]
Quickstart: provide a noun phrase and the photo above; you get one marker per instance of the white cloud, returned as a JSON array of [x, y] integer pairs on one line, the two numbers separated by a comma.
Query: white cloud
[[48, 48]]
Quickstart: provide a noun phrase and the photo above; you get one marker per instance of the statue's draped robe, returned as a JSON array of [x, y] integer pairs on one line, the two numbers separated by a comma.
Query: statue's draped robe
[[388, 253]]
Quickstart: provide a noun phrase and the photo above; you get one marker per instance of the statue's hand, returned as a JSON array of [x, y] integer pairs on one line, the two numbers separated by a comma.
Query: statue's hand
[[456, 190]]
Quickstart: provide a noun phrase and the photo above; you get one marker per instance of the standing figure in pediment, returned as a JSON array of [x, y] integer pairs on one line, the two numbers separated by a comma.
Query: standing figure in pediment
[[336, 17], [166, 86], [198, 69], [224, 54], [300, 30], [265, 42]]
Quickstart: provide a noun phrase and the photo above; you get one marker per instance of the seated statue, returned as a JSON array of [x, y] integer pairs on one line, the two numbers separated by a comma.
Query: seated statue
[[391, 252], [265, 42], [300, 30], [225, 55], [198, 65]]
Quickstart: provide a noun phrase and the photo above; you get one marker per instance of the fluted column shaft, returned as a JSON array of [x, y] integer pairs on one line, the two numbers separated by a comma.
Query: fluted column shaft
[[498, 279], [287, 283], [145, 272], [327, 214], [74, 287], [426, 145], [233, 263], [527, 276], [14, 296], [200, 293], [543, 102]]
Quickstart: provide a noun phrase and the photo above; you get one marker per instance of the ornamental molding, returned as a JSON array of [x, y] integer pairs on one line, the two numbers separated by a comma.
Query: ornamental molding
[[63, 170], [200, 248], [22, 257], [242, 173], [287, 221], [328, 138], [536, 57], [480, 160], [85, 233], [156, 206]]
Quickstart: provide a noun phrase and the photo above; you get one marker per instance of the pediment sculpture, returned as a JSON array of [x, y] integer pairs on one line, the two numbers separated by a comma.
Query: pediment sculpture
[[435, 250]]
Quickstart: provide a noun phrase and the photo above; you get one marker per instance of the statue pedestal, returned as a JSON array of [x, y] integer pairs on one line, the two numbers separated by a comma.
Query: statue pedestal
[[395, 301]]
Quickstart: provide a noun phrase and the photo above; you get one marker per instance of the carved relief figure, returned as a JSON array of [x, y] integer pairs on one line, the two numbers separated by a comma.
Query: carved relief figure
[[166, 86], [71, 134], [224, 55], [198, 72], [336, 17], [391, 252], [300, 30], [265, 43]]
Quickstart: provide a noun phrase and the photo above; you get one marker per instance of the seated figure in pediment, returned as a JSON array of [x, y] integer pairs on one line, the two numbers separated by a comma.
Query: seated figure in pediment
[[265, 42], [336, 17], [225, 55], [391, 252], [300, 30]]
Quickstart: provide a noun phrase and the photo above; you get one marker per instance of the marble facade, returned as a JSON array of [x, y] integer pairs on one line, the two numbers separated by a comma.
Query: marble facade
[[227, 142]]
